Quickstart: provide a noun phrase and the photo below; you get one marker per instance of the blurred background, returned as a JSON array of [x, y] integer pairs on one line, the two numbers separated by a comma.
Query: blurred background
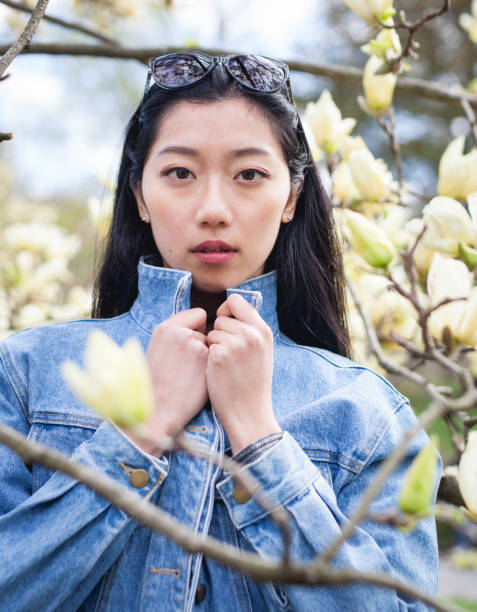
[[68, 114]]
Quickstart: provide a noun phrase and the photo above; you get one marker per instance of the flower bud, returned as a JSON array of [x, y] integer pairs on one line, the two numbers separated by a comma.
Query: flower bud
[[378, 88], [115, 382], [469, 22], [369, 240], [371, 176], [418, 487]]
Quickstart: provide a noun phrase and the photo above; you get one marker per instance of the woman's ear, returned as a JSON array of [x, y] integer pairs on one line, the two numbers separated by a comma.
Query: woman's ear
[[141, 207], [289, 210]]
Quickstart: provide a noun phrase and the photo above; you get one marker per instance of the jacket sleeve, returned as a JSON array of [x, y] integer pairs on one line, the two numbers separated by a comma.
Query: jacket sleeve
[[64, 535], [317, 513]]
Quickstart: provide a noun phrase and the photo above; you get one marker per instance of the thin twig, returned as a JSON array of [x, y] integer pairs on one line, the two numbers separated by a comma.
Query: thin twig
[[390, 131], [71, 25], [418, 87], [25, 37], [469, 111], [258, 567]]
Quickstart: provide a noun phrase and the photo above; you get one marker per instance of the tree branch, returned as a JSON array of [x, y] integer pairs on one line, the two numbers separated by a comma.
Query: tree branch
[[19, 6], [25, 37], [419, 87], [150, 515]]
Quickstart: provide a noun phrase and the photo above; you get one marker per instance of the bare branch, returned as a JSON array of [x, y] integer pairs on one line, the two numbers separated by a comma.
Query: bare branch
[[390, 131], [472, 120], [25, 37], [78, 27], [5, 136], [419, 87], [150, 515]]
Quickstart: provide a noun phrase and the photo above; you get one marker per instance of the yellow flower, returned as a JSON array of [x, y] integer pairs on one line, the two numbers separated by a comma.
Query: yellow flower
[[469, 22], [115, 382], [457, 175], [448, 224], [372, 11], [417, 490], [378, 88], [343, 187], [386, 46], [369, 240], [467, 476], [326, 123]]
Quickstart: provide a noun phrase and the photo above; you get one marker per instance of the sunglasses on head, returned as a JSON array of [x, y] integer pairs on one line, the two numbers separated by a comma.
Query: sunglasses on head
[[252, 72]]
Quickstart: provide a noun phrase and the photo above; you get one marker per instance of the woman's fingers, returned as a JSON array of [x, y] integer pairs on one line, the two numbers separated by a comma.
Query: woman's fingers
[[238, 307], [194, 318]]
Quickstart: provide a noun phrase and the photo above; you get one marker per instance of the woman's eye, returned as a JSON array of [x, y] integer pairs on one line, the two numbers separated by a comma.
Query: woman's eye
[[178, 173], [250, 174]]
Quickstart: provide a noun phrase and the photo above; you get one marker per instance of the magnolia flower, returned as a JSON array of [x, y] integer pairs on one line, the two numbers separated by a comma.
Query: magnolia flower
[[348, 144], [324, 118], [467, 475], [343, 186], [116, 381], [386, 46], [448, 224], [457, 175], [372, 11], [469, 22], [378, 88], [369, 240], [371, 176], [418, 487], [466, 328], [447, 279]]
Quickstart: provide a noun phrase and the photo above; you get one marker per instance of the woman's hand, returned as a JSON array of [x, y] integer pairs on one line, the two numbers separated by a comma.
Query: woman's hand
[[177, 359], [239, 372]]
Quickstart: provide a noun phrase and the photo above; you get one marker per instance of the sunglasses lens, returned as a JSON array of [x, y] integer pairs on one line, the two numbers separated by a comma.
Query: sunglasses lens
[[180, 69], [257, 72]]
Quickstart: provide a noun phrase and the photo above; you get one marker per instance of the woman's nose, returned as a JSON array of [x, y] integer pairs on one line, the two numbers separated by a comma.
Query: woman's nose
[[213, 208]]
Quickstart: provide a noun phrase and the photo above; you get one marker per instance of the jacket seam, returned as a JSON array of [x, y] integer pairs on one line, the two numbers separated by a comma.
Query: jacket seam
[[8, 372]]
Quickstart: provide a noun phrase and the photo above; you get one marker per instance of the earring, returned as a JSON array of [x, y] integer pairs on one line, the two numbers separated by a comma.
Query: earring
[[145, 218], [288, 216]]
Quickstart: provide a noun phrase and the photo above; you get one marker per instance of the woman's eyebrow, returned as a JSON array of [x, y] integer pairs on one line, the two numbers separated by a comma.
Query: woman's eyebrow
[[194, 153]]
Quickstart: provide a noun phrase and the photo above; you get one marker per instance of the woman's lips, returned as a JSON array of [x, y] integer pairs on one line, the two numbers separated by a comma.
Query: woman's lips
[[214, 257], [213, 251]]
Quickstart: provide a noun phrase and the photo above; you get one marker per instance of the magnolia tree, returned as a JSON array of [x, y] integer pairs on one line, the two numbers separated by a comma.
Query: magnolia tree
[[411, 269]]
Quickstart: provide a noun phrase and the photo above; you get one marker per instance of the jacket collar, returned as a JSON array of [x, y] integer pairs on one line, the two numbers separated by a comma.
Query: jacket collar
[[163, 292]]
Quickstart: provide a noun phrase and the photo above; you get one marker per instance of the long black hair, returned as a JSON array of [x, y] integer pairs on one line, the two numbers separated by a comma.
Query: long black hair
[[306, 254]]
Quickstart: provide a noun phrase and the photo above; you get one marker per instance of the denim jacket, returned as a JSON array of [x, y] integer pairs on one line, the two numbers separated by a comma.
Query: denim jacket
[[62, 547]]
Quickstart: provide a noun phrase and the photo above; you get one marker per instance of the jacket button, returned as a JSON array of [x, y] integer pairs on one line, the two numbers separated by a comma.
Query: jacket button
[[200, 594], [240, 495], [138, 478]]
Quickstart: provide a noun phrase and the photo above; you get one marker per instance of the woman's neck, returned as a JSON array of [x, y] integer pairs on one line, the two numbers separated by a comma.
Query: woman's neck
[[209, 302]]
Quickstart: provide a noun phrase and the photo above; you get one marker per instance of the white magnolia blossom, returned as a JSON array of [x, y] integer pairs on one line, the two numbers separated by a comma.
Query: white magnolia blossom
[[371, 176], [457, 174], [326, 123], [44, 238], [468, 22], [467, 475], [448, 223], [116, 380], [348, 144], [343, 186], [372, 11]]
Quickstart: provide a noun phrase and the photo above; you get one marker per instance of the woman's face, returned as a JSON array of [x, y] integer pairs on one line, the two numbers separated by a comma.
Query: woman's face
[[216, 172]]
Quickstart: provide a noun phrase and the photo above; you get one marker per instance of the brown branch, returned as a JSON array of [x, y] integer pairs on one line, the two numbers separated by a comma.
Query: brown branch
[[78, 27], [5, 136], [390, 131], [412, 28], [25, 37], [419, 87], [150, 515]]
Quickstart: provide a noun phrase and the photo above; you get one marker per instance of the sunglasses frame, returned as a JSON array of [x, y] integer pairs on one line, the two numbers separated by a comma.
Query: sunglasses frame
[[216, 61], [223, 60]]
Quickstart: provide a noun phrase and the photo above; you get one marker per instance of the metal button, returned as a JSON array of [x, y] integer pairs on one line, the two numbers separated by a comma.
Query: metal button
[[138, 478], [240, 495], [200, 594]]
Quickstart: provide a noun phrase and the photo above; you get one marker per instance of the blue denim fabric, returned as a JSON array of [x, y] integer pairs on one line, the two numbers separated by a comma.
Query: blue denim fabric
[[62, 547]]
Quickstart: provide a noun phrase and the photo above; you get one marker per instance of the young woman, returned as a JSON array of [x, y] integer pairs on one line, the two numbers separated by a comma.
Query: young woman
[[222, 260]]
